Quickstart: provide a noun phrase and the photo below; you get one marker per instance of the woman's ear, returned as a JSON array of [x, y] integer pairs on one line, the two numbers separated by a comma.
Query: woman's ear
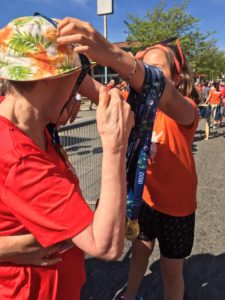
[[177, 79]]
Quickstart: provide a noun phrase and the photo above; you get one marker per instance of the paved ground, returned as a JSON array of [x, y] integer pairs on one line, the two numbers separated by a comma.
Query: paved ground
[[205, 268]]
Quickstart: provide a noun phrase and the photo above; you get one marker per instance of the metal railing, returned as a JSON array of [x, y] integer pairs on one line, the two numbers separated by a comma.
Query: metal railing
[[83, 146]]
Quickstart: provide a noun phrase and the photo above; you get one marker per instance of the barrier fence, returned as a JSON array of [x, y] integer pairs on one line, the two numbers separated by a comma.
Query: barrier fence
[[83, 146]]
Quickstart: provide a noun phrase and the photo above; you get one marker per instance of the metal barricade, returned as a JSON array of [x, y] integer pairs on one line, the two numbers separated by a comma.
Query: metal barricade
[[83, 146]]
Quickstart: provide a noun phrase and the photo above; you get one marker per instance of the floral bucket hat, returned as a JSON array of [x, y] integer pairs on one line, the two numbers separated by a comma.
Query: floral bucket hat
[[29, 51]]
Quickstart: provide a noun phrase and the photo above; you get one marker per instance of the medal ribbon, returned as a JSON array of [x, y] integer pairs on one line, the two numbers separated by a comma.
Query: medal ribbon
[[144, 106]]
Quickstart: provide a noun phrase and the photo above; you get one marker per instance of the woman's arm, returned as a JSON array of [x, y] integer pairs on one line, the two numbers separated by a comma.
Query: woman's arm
[[25, 250], [104, 237], [90, 88], [207, 100], [96, 47]]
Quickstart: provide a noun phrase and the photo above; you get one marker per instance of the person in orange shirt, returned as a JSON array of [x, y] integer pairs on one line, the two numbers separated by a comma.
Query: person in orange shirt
[[215, 100], [168, 210]]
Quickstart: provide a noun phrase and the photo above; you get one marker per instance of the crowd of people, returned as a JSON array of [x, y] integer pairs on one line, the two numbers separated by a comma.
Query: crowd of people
[[46, 225], [213, 102]]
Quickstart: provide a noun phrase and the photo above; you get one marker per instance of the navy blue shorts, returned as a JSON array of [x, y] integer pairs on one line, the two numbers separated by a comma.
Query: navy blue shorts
[[175, 235]]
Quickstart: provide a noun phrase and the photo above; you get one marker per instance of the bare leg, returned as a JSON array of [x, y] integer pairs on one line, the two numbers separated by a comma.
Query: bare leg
[[173, 280], [207, 130], [141, 251]]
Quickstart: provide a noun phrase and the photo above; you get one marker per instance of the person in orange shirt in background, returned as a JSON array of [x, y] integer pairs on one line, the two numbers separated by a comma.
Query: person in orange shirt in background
[[215, 100], [222, 84], [168, 210]]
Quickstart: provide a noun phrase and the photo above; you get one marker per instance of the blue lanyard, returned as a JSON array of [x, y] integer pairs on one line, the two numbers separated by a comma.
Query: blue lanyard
[[144, 106]]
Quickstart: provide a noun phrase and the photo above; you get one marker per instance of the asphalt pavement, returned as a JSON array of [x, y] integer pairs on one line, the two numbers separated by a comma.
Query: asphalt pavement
[[204, 270]]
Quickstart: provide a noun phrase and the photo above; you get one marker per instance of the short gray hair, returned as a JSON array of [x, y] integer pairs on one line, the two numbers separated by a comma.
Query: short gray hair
[[8, 86]]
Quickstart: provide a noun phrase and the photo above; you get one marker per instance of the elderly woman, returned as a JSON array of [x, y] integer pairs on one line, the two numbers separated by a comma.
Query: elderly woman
[[40, 192]]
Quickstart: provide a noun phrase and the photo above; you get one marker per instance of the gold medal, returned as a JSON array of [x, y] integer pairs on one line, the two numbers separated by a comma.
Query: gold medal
[[132, 230]]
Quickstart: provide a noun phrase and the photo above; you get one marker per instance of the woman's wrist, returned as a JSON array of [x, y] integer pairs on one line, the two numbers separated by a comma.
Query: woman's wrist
[[122, 62], [128, 67], [117, 151], [7, 248]]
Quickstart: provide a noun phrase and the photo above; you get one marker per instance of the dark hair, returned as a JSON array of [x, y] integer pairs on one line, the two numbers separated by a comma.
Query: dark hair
[[186, 86], [216, 86]]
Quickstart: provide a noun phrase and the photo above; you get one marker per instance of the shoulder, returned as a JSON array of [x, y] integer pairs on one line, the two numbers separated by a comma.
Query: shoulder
[[14, 144], [7, 146]]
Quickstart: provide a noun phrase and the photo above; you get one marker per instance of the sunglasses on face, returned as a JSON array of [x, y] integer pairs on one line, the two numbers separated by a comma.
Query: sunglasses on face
[[85, 69]]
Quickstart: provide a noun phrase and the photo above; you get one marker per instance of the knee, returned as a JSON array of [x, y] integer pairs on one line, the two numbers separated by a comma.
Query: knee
[[142, 249]]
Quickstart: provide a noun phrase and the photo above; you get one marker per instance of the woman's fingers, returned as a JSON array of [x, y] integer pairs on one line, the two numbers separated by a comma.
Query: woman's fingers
[[73, 110], [71, 25], [45, 262], [104, 98], [77, 38], [114, 119], [86, 39], [111, 84], [115, 94]]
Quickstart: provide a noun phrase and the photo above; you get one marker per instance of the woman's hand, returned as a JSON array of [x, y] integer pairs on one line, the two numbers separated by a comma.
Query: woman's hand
[[70, 112], [72, 108], [91, 43], [87, 40], [114, 119], [25, 250]]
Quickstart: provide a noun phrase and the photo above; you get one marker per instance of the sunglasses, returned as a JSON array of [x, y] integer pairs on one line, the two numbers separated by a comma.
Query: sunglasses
[[170, 40], [85, 69], [86, 66]]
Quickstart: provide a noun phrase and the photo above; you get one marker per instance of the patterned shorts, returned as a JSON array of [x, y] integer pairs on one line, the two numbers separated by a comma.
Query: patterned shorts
[[174, 234]]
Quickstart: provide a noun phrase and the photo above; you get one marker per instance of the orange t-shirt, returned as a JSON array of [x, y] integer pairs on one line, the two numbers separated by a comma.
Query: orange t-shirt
[[171, 180], [215, 97]]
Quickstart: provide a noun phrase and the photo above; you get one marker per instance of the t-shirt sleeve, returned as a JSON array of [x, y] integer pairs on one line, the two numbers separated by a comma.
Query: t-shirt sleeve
[[152, 88], [45, 200], [191, 128], [196, 117]]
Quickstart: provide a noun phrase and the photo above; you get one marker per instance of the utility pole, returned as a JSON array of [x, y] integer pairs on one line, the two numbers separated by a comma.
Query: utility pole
[[105, 36], [105, 7]]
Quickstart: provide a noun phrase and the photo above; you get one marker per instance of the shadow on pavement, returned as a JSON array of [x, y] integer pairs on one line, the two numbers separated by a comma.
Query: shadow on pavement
[[204, 279]]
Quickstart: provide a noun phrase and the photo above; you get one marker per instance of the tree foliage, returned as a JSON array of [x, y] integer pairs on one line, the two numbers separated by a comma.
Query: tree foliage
[[162, 22]]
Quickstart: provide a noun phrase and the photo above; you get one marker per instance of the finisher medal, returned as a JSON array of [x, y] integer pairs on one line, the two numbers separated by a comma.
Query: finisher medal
[[132, 230]]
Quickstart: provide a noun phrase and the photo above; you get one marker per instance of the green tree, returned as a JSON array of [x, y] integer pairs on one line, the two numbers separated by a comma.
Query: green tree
[[161, 23]]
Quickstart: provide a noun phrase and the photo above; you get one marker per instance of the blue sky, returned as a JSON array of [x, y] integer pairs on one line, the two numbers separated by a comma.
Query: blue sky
[[86, 10]]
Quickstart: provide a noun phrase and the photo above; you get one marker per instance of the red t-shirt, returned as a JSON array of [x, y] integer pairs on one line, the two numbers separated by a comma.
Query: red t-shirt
[[41, 195], [171, 181]]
